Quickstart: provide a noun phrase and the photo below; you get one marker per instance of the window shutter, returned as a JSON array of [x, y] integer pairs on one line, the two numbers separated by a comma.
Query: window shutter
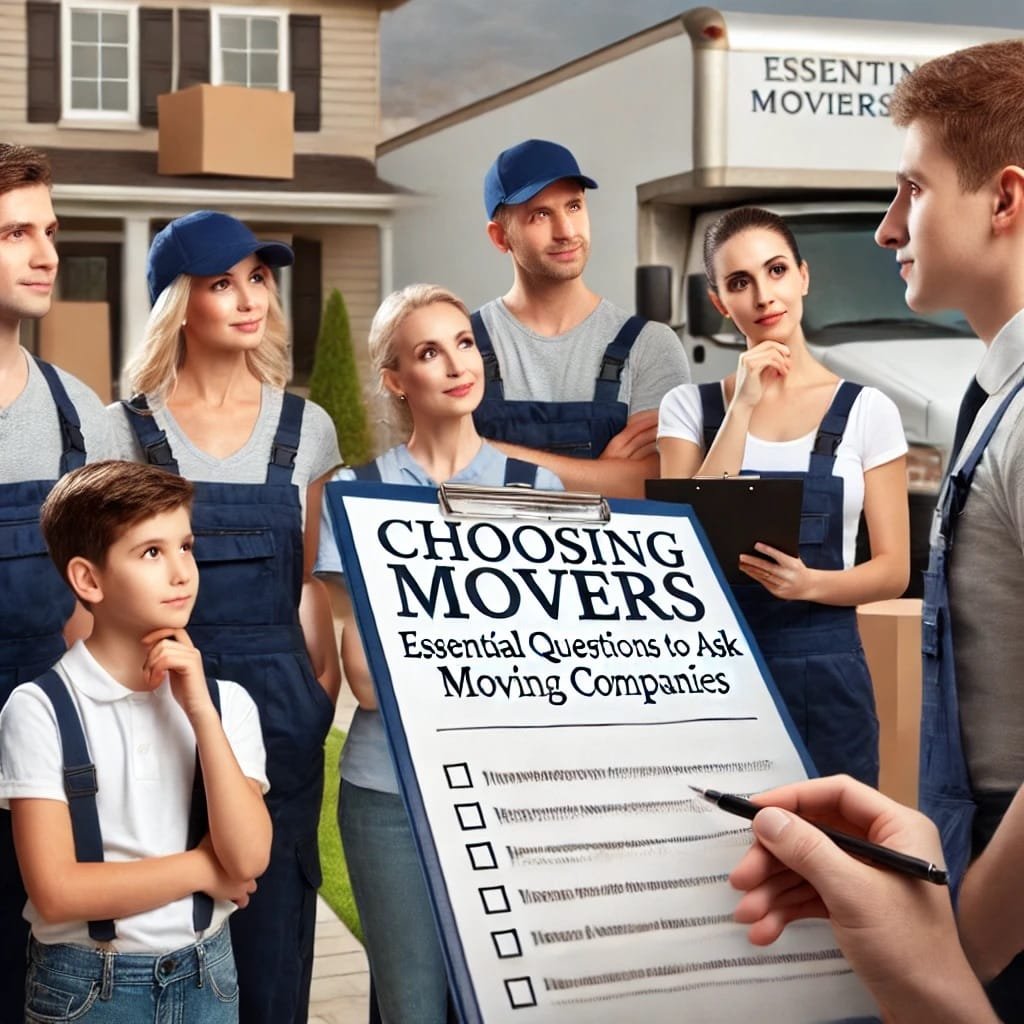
[[43, 61], [307, 305], [304, 55], [156, 56], [193, 47]]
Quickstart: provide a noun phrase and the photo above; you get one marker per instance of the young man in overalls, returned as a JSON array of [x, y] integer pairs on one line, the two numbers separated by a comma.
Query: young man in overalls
[[50, 423], [573, 382], [957, 228]]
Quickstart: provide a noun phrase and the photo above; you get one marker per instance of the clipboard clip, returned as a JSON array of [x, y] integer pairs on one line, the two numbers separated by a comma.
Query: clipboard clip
[[472, 501]]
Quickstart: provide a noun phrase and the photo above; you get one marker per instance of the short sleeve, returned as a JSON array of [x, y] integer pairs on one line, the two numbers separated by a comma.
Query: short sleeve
[[31, 765], [241, 721], [882, 433], [328, 557], [319, 434], [123, 440], [657, 364], [681, 416], [547, 481]]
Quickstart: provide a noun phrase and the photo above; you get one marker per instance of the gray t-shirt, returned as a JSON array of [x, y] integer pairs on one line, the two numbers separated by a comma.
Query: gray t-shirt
[[318, 445], [986, 580], [30, 440], [563, 368]]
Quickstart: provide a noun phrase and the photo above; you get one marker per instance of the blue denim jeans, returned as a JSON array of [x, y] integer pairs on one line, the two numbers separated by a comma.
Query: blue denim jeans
[[394, 908], [191, 985]]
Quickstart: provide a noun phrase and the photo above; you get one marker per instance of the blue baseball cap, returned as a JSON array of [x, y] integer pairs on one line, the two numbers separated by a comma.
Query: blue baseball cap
[[521, 172], [205, 243]]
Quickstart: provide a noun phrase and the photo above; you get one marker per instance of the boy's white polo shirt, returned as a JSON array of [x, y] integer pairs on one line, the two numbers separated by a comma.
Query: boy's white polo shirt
[[144, 751]]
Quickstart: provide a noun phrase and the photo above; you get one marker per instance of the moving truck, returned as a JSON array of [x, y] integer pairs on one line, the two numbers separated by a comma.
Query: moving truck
[[699, 114]]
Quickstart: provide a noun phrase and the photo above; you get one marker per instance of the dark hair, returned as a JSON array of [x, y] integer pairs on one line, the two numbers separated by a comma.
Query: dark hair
[[21, 166], [89, 508], [974, 101], [744, 218]]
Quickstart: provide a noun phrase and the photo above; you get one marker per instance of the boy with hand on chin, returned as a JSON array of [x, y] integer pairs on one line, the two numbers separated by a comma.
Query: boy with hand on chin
[[130, 883]]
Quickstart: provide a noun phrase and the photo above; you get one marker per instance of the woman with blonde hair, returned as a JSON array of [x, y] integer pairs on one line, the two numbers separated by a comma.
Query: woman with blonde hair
[[209, 403], [423, 351]]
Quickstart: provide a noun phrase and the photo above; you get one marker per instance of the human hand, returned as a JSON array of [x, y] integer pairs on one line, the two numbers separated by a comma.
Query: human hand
[[766, 362], [637, 440], [219, 885], [171, 651], [896, 931], [782, 575]]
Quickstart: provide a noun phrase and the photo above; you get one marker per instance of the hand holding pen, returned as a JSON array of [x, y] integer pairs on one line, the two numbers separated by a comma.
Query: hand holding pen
[[897, 932]]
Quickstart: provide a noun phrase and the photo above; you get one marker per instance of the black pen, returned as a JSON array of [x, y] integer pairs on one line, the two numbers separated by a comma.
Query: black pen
[[882, 856]]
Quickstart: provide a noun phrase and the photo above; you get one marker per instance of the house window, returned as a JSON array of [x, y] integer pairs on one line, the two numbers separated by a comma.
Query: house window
[[100, 65], [250, 48]]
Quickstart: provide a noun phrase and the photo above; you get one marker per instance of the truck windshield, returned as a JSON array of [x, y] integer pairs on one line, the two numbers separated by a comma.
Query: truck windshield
[[856, 291]]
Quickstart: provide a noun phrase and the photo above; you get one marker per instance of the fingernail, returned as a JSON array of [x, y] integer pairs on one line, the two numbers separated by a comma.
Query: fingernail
[[771, 823]]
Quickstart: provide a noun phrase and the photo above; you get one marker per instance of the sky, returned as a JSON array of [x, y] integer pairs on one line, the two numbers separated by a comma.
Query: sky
[[438, 55]]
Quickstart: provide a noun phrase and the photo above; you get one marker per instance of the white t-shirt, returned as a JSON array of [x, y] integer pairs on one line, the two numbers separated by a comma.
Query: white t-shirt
[[873, 436], [144, 750]]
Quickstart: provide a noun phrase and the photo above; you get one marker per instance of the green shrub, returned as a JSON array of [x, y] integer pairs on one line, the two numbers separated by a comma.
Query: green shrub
[[334, 382], [336, 889]]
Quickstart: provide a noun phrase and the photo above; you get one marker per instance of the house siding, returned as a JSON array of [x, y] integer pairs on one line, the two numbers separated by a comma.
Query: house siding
[[349, 85]]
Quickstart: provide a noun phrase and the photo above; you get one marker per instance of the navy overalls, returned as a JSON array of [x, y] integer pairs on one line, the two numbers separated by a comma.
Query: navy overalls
[[580, 429], [249, 549], [813, 650], [945, 793], [35, 603]]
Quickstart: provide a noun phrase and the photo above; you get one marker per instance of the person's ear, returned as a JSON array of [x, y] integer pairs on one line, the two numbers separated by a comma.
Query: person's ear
[[1009, 200], [498, 236], [85, 580], [805, 274], [717, 303], [389, 378]]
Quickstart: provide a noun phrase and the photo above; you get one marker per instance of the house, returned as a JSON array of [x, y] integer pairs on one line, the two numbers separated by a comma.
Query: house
[[80, 80]]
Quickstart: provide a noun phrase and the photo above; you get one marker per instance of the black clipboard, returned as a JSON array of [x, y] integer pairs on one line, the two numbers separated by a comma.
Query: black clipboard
[[737, 512]]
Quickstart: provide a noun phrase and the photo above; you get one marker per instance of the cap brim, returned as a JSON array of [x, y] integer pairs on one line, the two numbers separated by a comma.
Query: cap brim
[[527, 192]]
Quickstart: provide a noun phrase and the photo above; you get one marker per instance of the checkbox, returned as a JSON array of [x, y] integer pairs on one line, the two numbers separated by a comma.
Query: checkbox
[[495, 899], [506, 944], [520, 992], [471, 816], [481, 856], [458, 776]]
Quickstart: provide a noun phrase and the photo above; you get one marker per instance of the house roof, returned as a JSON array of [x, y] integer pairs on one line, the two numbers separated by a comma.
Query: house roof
[[126, 168]]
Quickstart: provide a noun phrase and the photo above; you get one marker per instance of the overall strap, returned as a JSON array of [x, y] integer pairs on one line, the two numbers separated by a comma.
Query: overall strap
[[712, 406], [606, 388], [369, 472], [286, 440], [493, 387], [199, 825], [960, 483], [79, 785], [72, 454], [520, 473], [830, 432], [151, 438]]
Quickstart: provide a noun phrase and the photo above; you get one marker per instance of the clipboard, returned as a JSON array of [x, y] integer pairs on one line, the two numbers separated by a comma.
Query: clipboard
[[376, 524], [737, 512]]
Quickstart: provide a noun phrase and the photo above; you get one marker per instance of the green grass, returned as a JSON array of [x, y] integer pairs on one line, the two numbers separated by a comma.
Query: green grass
[[336, 889]]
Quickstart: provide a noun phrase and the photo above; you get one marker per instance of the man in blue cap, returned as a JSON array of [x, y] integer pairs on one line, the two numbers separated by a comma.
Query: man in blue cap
[[573, 382]]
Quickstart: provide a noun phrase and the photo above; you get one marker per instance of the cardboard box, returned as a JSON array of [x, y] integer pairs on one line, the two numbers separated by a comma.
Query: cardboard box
[[76, 337], [227, 129], [891, 634]]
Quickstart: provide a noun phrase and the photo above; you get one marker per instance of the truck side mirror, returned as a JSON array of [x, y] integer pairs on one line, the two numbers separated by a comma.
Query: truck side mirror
[[702, 319], [654, 292]]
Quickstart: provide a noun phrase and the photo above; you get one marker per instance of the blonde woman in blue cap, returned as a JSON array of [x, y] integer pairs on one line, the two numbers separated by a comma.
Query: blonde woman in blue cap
[[210, 404]]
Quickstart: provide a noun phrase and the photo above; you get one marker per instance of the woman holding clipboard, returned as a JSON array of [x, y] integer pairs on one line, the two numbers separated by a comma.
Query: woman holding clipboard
[[423, 350], [783, 413]]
